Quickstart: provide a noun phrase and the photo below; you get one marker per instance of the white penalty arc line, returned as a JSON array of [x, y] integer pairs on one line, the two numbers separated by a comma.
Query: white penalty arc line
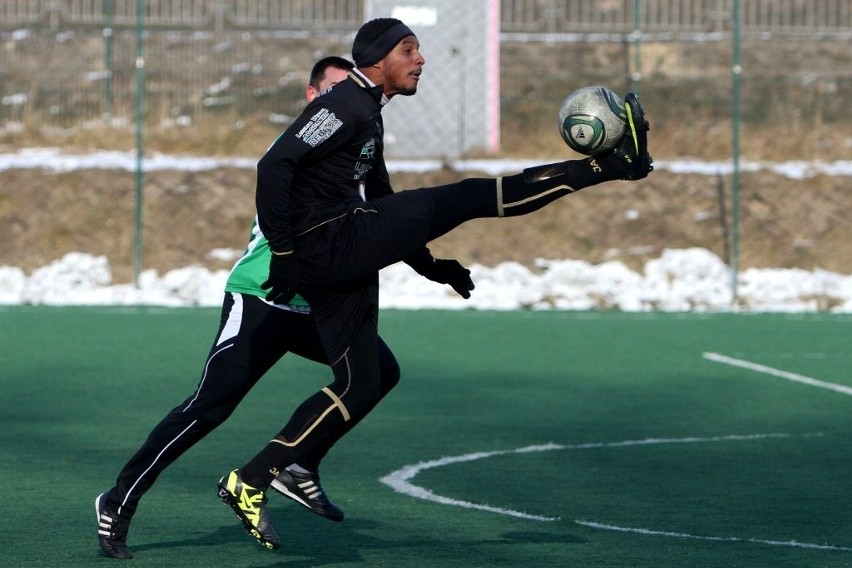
[[718, 358], [400, 481], [649, 532]]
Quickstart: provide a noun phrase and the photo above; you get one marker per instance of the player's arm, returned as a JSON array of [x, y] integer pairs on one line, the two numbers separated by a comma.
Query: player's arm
[[378, 180], [317, 132], [275, 173]]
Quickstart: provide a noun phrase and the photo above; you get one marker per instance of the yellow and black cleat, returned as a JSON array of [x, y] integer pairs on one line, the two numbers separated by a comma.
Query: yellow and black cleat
[[250, 506], [634, 146]]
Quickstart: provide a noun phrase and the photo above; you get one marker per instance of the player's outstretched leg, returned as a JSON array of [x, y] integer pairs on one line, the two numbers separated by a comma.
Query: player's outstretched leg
[[112, 529], [250, 506], [305, 489], [537, 186]]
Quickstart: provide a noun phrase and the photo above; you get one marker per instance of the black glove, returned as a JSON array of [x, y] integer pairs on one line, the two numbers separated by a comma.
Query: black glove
[[450, 272], [283, 277], [633, 149]]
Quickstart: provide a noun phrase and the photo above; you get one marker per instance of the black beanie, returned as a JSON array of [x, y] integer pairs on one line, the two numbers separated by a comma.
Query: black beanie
[[376, 39]]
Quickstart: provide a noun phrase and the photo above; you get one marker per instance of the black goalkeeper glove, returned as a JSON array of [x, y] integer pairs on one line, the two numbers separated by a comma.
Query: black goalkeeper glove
[[283, 277], [450, 272], [633, 149]]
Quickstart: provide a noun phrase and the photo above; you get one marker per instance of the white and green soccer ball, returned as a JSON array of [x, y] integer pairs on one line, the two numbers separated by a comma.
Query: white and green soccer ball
[[592, 120]]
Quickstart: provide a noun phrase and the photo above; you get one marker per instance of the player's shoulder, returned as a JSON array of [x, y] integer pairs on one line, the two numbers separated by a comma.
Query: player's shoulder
[[341, 106], [344, 89], [333, 100], [344, 97]]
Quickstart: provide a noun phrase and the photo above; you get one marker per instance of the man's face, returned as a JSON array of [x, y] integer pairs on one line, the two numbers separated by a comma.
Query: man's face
[[401, 68], [332, 76]]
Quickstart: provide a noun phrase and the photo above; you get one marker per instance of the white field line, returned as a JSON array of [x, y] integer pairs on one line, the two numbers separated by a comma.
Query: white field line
[[400, 481], [842, 389], [649, 532]]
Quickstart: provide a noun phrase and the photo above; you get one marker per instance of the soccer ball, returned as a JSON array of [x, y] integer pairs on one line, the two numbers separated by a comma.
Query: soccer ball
[[591, 120]]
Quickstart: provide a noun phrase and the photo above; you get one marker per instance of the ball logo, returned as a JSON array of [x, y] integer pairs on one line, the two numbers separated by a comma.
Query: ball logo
[[582, 134]]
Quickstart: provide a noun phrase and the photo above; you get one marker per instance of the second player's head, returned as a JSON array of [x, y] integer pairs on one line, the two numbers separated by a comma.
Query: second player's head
[[326, 73]]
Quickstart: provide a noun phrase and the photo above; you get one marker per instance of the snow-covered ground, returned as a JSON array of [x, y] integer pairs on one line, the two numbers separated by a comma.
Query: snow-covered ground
[[679, 280], [54, 159]]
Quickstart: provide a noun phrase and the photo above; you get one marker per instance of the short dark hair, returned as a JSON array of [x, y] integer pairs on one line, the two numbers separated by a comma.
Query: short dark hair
[[320, 67]]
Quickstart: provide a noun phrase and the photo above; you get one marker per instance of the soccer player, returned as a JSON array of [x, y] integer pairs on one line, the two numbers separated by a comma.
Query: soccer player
[[333, 221], [254, 333]]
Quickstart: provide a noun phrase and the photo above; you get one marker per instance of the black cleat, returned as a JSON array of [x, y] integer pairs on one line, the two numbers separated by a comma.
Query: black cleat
[[633, 149], [250, 506], [112, 529], [305, 489]]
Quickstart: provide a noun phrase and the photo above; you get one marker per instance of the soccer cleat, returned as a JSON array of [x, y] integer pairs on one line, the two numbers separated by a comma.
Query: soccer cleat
[[305, 489], [112, 529], [633, 148], [250, 506]]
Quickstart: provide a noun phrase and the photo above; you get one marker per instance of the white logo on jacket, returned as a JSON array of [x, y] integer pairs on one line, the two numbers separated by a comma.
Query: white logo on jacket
[[320, 127]]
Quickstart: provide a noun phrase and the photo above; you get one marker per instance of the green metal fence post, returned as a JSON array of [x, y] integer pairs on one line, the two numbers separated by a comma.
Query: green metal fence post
[[108, 58], [736, 77], [636, 76], [140, 91]]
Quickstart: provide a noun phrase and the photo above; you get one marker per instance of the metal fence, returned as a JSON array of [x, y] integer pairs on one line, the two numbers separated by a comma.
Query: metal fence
[[533, 16], [675, 16], [216, 15], [219, 74], [70, 62]]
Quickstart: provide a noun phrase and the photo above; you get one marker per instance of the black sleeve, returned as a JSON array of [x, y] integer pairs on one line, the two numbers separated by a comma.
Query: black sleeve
[[314, 134], [378, 181], [420, 261], [275, 172]]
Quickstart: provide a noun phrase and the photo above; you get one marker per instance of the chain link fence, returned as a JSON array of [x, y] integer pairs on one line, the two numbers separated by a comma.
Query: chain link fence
[[225, 76], [229, 64]]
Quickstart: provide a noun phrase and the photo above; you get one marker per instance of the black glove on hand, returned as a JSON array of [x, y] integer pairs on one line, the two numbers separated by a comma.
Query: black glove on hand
[[283, 276], [450, 272], [633, 150]]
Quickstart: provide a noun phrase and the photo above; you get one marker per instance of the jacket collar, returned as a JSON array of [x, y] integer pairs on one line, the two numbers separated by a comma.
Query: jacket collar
[[362, 81]]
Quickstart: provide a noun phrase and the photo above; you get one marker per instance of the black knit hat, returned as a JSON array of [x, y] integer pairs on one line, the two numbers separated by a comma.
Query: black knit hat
[[376, 39]]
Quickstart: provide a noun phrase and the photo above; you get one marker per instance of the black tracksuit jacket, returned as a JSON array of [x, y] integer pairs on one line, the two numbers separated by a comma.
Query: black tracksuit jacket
[[330, 157]]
